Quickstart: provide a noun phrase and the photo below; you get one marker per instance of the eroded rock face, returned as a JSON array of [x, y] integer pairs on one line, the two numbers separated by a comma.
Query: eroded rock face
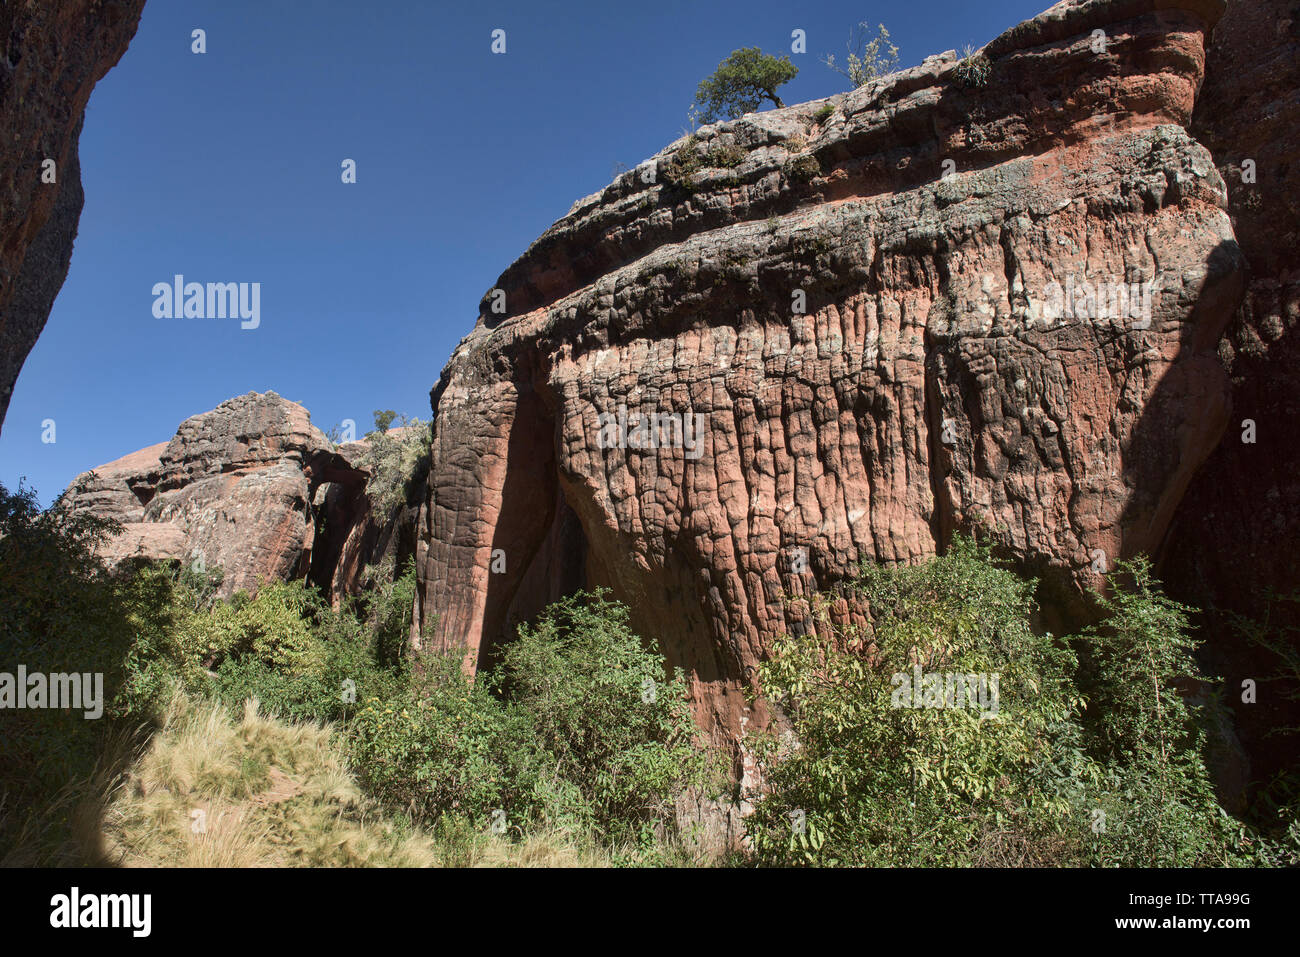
[[876, 351], [54, 52], [233, 490]]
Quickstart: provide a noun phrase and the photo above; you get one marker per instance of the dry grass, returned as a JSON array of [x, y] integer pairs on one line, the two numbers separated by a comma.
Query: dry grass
[[65, 830], [260, 792], [206, 790]]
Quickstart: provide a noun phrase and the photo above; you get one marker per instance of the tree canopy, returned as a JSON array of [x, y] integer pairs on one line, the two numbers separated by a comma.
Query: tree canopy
[[742, 82]]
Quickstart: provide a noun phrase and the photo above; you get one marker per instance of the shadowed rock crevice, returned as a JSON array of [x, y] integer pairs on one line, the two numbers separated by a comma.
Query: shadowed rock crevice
[[1232, 545]]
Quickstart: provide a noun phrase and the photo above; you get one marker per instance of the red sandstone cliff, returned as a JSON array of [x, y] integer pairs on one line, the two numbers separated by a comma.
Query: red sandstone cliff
[[930, 384], [863, 310]]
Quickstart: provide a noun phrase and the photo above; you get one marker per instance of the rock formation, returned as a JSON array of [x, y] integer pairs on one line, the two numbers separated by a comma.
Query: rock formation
[[54, 52], [251, 488], [896, 314]]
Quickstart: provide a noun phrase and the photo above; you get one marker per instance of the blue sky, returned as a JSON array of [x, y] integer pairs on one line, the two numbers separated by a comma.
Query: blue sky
[[225, 167]]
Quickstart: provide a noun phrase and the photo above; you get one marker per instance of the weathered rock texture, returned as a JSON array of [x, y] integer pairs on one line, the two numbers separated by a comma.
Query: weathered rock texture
[[1235, 534], [235, 489], [54, 52], [928, 387]]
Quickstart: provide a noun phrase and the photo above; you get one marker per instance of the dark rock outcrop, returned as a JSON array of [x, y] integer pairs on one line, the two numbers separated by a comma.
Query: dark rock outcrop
[[54, 52], [1232, 548]]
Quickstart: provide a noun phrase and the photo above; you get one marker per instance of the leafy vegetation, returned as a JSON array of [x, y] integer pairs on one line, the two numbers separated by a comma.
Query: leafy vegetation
[[1086, 762], [610, 720], [397, 460], [690, 159], [580, 743], [60, 612], [803, 170], [580, 730], [309, 734], [742, 82]]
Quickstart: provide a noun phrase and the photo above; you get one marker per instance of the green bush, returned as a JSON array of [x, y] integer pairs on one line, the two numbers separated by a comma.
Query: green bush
[[447, 747], [803, 170], [881, 782], [303, 659], [1047, 782], [396, 462], [579, 730], [1149, 733], [603, 710], [61, 612]]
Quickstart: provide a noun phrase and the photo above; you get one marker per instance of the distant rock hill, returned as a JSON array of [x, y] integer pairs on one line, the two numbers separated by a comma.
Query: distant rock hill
[[251, 488]]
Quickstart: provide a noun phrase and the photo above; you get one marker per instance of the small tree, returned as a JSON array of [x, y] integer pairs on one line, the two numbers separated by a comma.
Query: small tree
[[867, 59], [742, 82]]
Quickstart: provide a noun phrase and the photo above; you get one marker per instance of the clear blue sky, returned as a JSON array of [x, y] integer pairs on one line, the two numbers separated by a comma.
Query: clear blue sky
[[225, 167]]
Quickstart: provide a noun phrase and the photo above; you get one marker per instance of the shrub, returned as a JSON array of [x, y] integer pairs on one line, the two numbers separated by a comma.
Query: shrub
[[803, 170], [447, 747], [1149, 732], [973, 69], [396, 462], [679, 171], [579, 730], [62, 612], [881, 782], [303, 659], [1046, 782], [603, 709], [866, 59]]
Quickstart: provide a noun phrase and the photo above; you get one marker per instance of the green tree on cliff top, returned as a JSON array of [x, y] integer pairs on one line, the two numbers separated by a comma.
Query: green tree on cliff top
[[742, 82]]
